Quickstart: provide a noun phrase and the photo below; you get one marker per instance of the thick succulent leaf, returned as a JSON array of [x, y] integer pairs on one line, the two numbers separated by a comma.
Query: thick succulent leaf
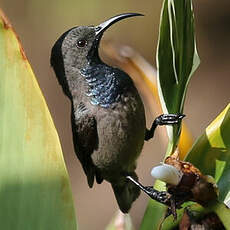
[[211, 153], [177, 59], [34, 185]]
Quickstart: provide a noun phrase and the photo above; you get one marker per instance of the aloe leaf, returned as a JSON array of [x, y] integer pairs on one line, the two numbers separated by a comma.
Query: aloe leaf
[[211, 154], [177, 59], [34, 185]]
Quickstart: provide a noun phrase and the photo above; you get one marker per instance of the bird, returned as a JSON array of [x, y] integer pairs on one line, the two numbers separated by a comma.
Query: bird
[[107, 113]]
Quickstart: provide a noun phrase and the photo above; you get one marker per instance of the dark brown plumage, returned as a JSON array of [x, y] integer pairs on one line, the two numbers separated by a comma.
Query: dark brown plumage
[[108, 118]]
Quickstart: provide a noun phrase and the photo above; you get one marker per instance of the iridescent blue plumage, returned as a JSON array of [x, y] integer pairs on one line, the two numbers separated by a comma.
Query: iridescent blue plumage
[[106, 84]]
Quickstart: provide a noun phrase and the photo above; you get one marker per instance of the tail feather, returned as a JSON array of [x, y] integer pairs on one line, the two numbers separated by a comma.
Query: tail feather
[[90, 173], [126, 193]]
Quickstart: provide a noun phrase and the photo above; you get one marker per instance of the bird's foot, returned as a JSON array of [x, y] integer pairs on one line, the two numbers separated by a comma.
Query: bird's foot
[[160, 196], [163, 119], [169, 119]]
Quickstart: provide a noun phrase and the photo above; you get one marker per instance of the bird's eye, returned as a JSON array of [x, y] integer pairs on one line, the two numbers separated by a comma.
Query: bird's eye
[[81, 43]]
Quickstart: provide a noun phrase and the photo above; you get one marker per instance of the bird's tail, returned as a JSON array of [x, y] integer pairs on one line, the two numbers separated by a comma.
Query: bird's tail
[[126, 193]]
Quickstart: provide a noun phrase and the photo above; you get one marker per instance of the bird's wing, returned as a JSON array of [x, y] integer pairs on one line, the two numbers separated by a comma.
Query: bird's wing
[[85, 139]]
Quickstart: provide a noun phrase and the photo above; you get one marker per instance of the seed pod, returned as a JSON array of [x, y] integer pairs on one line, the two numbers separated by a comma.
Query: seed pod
[[193, 186]]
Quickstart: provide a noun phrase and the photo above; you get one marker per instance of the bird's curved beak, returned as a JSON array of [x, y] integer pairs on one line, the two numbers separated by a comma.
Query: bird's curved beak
[[100, 29], [105, 25]]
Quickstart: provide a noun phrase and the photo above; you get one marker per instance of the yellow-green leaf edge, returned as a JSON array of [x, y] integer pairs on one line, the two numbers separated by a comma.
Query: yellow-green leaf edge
[[211, 152], [35, 190]]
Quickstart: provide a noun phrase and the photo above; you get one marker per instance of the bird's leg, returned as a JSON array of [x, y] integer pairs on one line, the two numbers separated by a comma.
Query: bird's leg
[[164, 119], [162, 197]]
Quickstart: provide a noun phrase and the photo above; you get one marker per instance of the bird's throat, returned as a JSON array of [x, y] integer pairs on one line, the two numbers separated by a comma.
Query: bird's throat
[[93, 54]]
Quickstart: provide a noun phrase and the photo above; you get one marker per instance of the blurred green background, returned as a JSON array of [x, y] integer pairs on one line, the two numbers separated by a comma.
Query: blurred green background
[[39, 23]]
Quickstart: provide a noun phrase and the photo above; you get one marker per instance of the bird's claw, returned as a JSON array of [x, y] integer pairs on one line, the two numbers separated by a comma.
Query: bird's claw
[[169, 119], [160, 196]]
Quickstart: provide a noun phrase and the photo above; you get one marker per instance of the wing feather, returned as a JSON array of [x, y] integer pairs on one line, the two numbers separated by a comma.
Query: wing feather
[[85, 139]]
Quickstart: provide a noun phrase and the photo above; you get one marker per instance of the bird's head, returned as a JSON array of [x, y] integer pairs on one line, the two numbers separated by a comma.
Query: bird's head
[[78, 47]]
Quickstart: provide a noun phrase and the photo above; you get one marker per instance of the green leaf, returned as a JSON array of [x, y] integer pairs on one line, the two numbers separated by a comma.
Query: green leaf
[[34, 185], [177, 59], [223, 213], [219, 208], [211, 154]]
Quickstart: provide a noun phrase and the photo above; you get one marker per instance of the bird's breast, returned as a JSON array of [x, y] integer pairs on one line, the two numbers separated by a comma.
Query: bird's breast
[[121, 131], [106, 85]]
